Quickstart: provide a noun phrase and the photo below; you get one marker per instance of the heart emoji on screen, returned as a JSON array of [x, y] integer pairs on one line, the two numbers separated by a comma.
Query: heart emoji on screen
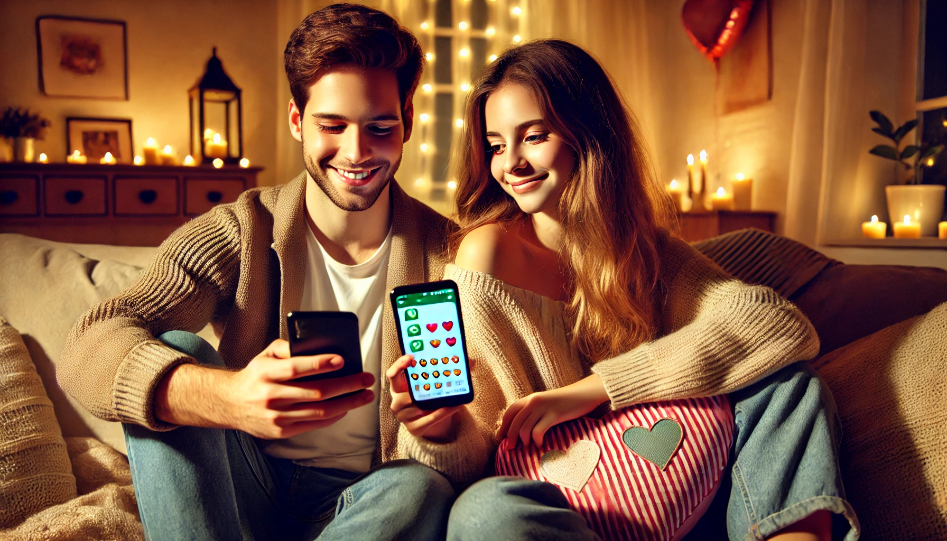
[[448, 325], [437, 385], [414, 376], [431, 327], [444, 360], [424, 375], [436, 374], [427, 386], [457, 371], [451, 341], [455, 359], [435, 343], [422, 362], [446, 373], [433, 361]]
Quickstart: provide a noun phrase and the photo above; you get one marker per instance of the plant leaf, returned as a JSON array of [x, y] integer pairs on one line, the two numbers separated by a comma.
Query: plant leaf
[[885, 151], [909, 151], [931, 152], [883, 123], [881, 132], [904, 130]]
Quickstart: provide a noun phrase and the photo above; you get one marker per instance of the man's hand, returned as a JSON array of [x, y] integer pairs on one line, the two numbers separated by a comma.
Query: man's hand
[[437, 425], [263, 399]]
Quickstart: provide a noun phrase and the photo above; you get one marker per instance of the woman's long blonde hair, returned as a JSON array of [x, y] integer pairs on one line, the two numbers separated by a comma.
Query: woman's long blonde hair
[[612, 210]]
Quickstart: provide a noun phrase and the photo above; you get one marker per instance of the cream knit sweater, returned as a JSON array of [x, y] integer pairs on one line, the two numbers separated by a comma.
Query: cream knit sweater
[[716, 335]]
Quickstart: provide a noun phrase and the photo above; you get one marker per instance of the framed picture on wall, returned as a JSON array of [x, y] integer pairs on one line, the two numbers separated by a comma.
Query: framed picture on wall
[[93, 137], [82, 58]]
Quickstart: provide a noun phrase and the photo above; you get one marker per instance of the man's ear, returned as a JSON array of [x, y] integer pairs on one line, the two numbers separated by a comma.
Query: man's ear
[[295, 121], [408, 119]]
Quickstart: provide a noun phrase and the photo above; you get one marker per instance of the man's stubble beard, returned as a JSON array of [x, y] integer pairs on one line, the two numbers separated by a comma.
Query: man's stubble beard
[[365, 199]]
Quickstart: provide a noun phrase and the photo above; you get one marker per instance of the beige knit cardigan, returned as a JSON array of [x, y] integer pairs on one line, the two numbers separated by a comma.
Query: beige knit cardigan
[[716, 335]]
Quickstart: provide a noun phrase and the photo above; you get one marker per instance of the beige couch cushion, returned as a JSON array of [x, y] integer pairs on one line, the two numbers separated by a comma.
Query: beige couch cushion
[[35, 472], [892, 398]]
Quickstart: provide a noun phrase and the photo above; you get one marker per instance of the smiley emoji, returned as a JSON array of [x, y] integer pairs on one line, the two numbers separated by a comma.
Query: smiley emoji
[[435, 343], [433, 362], [446, 373], [444, 360], [437, 385], [455, 359], [436, 374], [422, 362], [424, 375], [427, 386], [457, 371], [414, 376]]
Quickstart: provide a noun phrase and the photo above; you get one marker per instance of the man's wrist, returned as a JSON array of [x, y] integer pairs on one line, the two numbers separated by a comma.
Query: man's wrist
[[194, 395]]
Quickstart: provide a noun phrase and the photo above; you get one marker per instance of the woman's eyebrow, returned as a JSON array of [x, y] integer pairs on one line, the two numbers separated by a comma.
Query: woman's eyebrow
[[520, 126]]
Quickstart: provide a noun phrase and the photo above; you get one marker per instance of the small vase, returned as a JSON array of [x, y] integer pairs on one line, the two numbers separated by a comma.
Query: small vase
[[923, 203], [23, 149], [6, 149]]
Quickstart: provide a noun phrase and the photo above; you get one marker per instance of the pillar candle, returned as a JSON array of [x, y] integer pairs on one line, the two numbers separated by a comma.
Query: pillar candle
[[942, 230], [150, 152], [722, 200], [108, 159], [677, 195], [189, 161], [874, 229], [216, 147], [907, 229], [742, 192], [76, 157], [168, 157]]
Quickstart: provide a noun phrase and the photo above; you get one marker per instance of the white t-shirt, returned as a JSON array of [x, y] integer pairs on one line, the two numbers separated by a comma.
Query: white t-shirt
[[329, 285]]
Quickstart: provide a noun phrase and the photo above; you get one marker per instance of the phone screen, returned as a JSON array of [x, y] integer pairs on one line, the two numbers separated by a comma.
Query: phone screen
[[432, 330]]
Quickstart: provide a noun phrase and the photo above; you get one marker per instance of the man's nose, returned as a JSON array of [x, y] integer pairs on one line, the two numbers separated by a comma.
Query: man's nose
[[355, 146]]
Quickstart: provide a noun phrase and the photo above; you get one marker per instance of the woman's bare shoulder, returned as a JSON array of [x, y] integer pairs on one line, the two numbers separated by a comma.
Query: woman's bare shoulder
[[482, 249]]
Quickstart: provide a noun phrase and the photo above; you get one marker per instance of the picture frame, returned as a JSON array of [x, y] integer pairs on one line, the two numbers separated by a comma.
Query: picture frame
[[93, 137], [82, 58]]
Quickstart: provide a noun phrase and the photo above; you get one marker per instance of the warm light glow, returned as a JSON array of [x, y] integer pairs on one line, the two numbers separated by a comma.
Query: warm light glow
[[139, 160], [426, 88], [424, 147], [108, 159], [76, 154], [930, 162], [425, 117], [516, 10], [690, 159], [517, 38], [149, 143], [703, 156], [452, 185], [493, 57], [425, 25], [464, 87], [740, 177], [459, 123], [216, 141], [945, 122], [189, 160], [874, 219], [244, 163], [462, 25], [673, 185], [208, 133], [218, 163], [907, 219], [430, 57], [43, 158], [721, 192], [419, 182], [465, 52], [490, 31], [169, 150]]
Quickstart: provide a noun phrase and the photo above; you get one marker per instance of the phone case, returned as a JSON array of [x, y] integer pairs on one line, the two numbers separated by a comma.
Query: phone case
[[313, 333]]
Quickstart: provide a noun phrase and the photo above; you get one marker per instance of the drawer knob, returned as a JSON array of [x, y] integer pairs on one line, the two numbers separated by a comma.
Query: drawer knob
[[147, 196], [8, 197], [214, 196], [74, 196]]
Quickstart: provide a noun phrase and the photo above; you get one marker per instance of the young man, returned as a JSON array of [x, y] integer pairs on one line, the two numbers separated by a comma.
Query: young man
[[242, 449]]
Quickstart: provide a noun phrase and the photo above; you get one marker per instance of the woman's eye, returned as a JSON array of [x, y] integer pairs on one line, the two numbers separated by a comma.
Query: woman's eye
[[536, 138], [330, 129], [496, 149]]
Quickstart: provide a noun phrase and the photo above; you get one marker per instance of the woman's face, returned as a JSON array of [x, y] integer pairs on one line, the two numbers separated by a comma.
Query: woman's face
[[531, 163]]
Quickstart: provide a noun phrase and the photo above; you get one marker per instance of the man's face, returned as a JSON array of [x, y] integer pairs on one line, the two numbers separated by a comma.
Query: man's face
[[352, 134]]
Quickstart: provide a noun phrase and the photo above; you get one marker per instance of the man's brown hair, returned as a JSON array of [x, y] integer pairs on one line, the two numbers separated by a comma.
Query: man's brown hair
[[351, 35]]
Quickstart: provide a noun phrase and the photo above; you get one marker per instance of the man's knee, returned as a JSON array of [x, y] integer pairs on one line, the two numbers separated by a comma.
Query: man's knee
[[417, 478]]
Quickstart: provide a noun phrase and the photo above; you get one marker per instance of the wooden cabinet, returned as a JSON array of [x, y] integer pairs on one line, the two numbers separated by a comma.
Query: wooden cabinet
[[696, 226], [123, 205]]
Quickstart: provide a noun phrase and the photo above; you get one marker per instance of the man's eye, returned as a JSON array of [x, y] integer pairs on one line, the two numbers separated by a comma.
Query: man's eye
[[330, 129], [379, 130]]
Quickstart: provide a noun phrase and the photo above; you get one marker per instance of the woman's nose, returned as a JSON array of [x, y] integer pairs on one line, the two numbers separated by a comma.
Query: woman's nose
[[514, 162]]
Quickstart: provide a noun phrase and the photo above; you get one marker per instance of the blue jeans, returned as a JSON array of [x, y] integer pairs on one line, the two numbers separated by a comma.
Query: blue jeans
[[783, 467], [207, 483]]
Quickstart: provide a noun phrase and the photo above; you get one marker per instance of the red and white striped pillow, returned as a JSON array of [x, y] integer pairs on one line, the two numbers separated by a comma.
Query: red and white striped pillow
[[627, 496]]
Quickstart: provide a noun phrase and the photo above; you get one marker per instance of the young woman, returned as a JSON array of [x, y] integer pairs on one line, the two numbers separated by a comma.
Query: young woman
[[575, 294]]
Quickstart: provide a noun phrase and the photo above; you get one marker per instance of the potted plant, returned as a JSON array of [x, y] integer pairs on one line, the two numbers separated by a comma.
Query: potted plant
[[924, 203], [25, 128], [8, 130]]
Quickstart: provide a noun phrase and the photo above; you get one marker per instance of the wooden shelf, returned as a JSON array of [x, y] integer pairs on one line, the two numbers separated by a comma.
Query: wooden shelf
[[889, 242]]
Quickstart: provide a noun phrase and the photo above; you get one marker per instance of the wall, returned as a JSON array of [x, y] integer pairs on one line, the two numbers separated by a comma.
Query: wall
[[169, 43]]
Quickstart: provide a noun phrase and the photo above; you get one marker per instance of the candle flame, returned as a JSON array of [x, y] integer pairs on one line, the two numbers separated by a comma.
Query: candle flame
[[208, 133], [907, 219], [168, 149], [703, 156], [150, 142], [216, 139], [76, 154], [721, 192], [740, 176], [673, 184], [42, 157], [690, 159], [188, 160], [874, 219], [139, 160], [218, 163], [244, 163], [108, 156]]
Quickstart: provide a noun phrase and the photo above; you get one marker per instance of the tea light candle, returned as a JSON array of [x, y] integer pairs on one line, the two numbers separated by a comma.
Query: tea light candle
[[76, 157], [874, 229], [138, 160], [244, 163], [189, 161], [677, 195], [218, 163], [108, 159], [942, 230], [907, 229], [722, 200], [216, 147], [150, 152], [168, 157], [742, 192], [43, 158]]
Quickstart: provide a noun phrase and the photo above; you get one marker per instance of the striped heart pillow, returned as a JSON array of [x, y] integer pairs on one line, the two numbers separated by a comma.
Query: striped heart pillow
[[644, 472]]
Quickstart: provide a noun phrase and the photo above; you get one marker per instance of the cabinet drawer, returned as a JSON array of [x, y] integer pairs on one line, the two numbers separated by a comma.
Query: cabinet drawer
[[75, 196], [19, 196], [149, 196], [200, 195]]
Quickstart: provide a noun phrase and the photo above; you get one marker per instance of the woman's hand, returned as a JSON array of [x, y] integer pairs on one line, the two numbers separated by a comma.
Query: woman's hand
[[437, 425], [530, 417]]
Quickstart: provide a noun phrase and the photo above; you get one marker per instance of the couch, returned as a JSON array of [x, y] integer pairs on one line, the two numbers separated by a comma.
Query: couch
[[883, 330]]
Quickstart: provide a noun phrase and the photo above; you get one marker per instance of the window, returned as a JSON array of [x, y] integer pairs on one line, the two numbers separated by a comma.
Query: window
[[932, 89]]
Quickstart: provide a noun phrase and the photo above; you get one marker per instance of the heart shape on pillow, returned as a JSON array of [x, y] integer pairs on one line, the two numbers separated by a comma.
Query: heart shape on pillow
[[431, 327], [657, 445], [435, 343], [451, 341], [571, 468], [448, 325]]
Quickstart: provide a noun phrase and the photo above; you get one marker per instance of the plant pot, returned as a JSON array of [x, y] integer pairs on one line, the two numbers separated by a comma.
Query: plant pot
[[923, 203], [6, 149], [23, 149]]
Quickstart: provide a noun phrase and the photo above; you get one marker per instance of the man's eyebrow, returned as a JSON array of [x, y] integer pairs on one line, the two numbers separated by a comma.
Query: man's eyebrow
[[333, 116], [520, 126]]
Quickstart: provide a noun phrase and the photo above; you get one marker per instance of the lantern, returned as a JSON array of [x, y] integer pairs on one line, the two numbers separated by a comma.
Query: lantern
[[216, 116]]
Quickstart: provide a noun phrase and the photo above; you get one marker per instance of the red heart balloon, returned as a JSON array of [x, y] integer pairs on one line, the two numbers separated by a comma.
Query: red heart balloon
[[714, 26]]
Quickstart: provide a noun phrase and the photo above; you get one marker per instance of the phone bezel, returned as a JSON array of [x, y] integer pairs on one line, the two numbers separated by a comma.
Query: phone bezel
[[349, 318], [447, 401]]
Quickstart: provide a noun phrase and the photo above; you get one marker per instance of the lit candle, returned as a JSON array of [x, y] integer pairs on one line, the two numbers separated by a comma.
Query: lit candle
[[699, 201], [677, 195], [218, 163], [139, 160], [722, 200], [907, 229], [76, 157], [168, 157], [216, 147], [189, 161], [690, 176], [942, 230], [244, 163], [208, 134], [108, 159], [150, 152], [742, 192], [874, 229], [43, 158]]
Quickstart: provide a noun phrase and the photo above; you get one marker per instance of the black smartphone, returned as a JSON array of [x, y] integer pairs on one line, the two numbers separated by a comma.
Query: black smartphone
[[313, 333], [430, 327]]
